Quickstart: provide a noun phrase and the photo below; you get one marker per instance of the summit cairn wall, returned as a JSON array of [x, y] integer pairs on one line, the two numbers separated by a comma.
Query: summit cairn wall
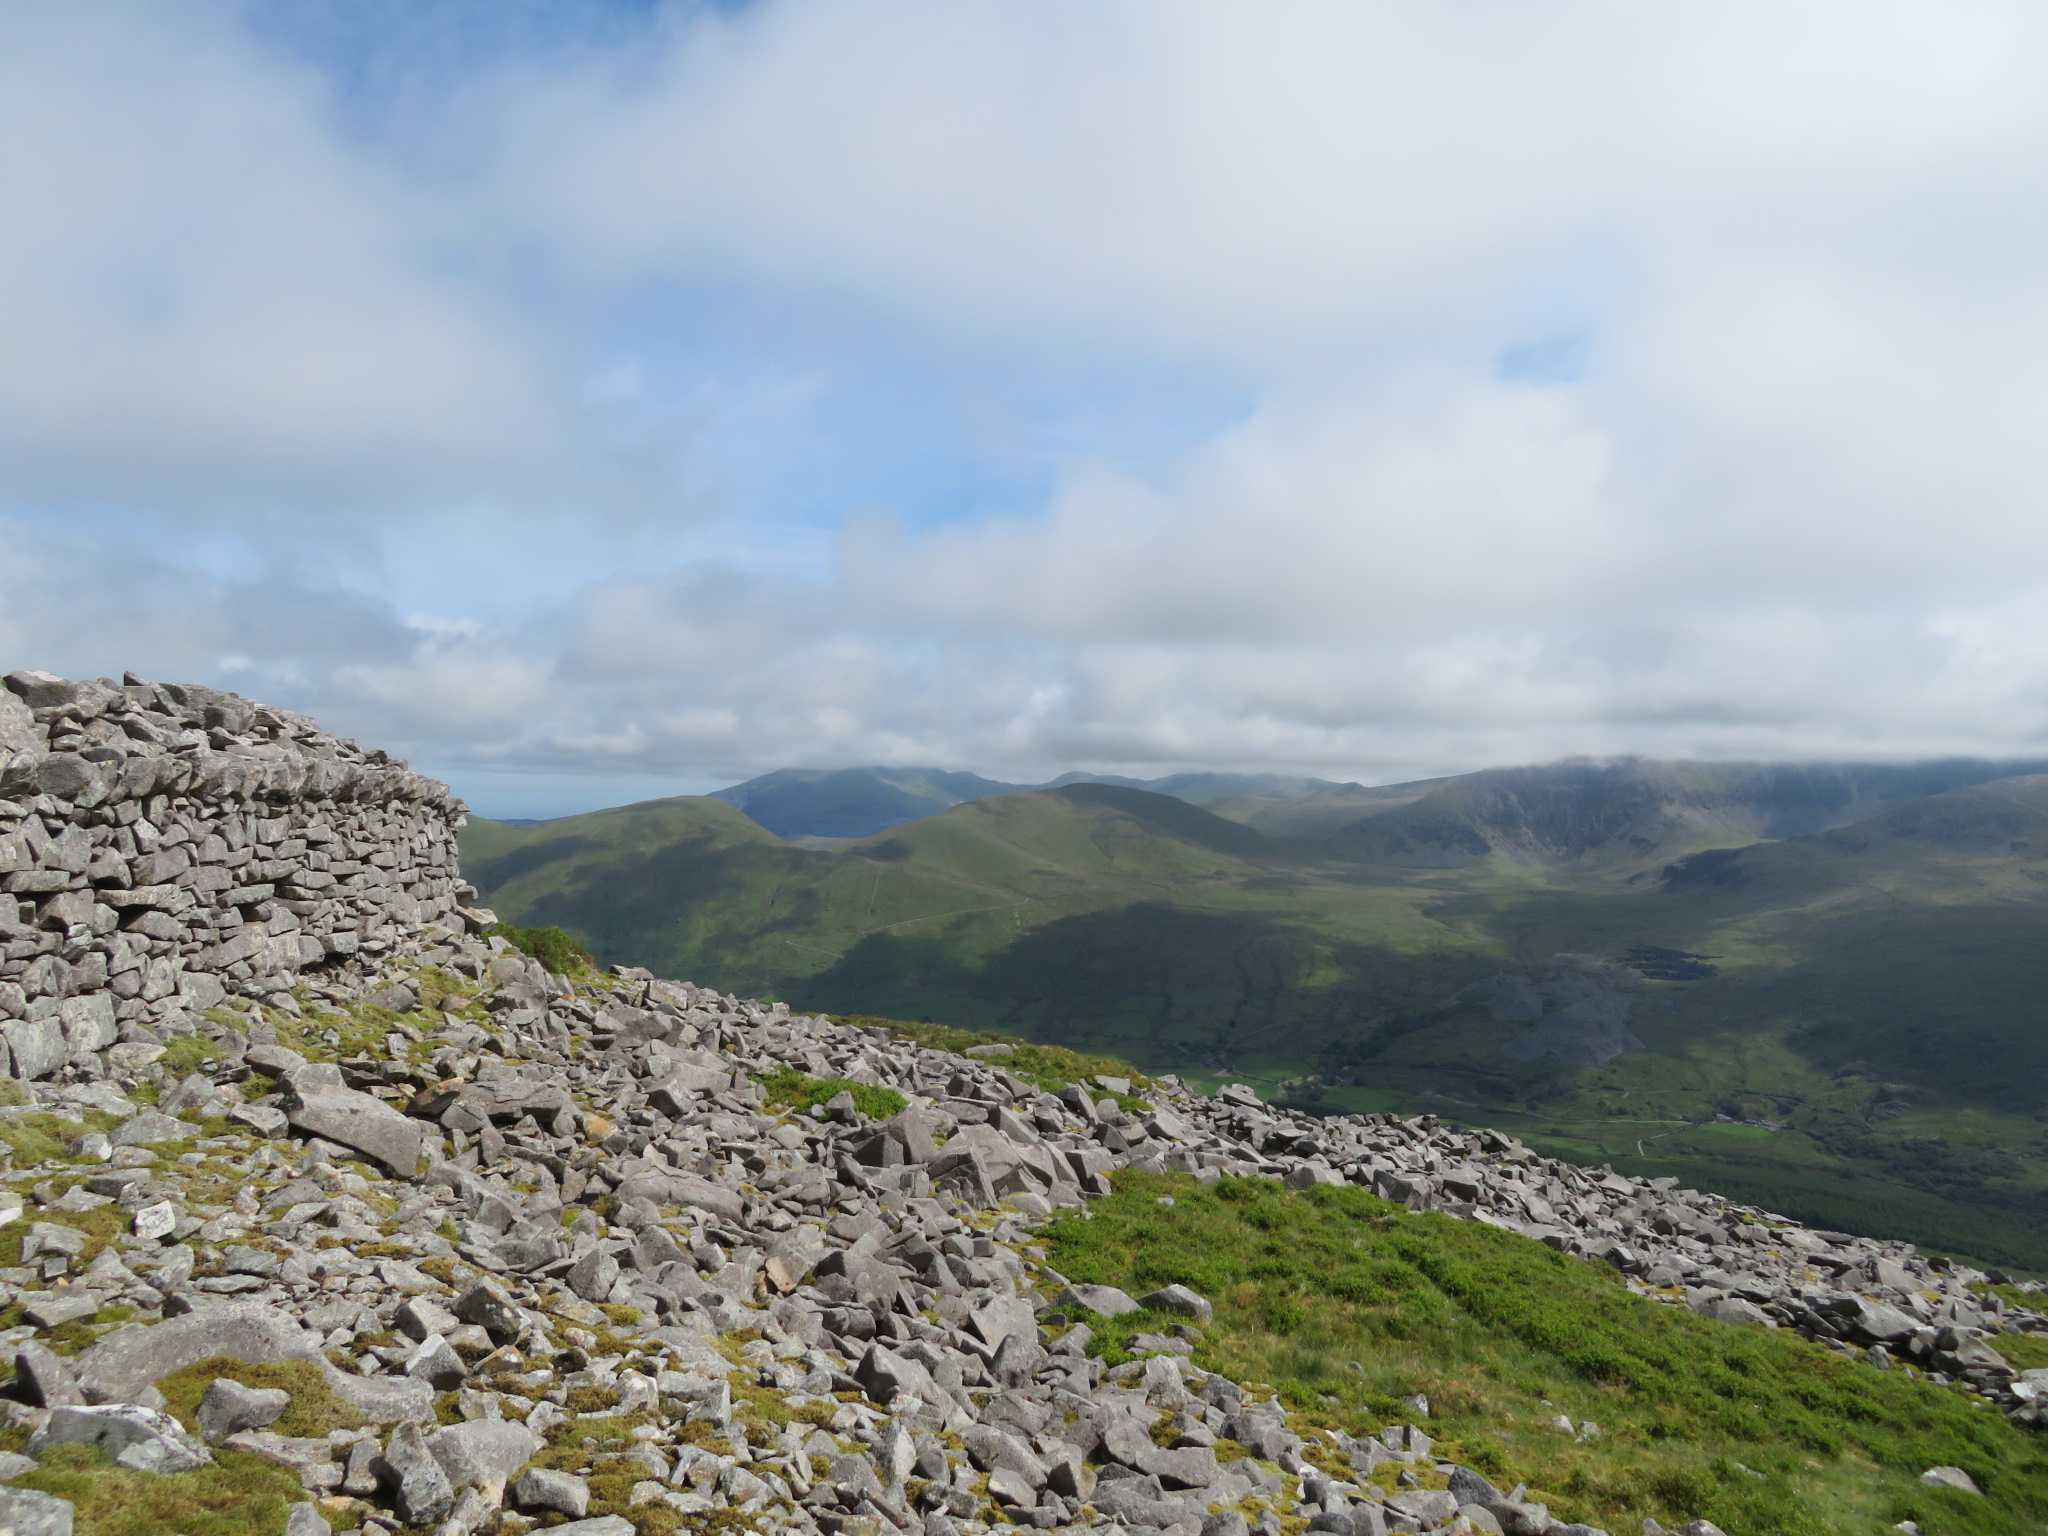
[[165, 846]]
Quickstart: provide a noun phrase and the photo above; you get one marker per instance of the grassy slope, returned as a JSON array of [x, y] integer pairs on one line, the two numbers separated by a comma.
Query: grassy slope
[[1880, 992], [1090, 915], [1346, 1305], [1881, 999], [1322, 812]]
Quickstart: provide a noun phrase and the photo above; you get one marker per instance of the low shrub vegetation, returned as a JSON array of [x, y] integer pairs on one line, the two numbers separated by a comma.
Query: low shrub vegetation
[[552, 947], [1348, 1305], [1050, 1067], [314, 1408], [237, 1495], [791, 1090]]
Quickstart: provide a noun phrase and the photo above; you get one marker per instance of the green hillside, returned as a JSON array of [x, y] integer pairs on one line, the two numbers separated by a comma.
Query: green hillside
[[1847, 1022], [1320, 812], [824, 806]]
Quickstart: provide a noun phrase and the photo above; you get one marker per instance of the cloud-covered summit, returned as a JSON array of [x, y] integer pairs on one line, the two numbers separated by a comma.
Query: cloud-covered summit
[[684, 391]]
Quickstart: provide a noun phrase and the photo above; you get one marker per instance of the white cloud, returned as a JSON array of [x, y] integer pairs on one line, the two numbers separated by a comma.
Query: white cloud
[[1771, 486], [208, 298]]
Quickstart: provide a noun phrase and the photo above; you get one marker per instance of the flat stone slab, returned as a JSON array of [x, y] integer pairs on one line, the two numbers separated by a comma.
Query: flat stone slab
[[128, 1361]]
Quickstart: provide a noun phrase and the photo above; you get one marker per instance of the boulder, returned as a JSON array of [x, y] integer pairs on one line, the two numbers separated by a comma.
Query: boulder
[[88, 1023], [545, 1489], [487, 1307], [1876, 1323], [228, 1408], [142, 1439], [46, 1378], [1177, 1299], [131, 1359], [1733, 1309], [484, 1453], [413, 1478], [25, 1512], [682, 1189], [18, 729], [384, 1399], [435, 1362], [1102, 1300], [359, 1121], [1950, 1477], [37, 1047]]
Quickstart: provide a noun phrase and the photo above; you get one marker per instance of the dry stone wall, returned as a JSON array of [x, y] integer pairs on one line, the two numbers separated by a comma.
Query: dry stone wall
[[164, 847]]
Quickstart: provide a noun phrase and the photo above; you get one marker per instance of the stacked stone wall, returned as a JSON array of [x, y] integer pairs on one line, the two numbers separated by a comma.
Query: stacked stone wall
[[164, 847]]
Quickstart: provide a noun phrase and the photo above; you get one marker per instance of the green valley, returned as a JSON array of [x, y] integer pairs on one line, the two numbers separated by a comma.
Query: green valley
[[1821, 989]]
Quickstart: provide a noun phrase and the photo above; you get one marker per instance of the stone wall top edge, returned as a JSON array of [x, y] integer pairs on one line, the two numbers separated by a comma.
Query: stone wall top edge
[[96, 742]]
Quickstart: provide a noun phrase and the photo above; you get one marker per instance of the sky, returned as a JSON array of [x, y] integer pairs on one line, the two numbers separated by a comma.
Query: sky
[[594, 400]]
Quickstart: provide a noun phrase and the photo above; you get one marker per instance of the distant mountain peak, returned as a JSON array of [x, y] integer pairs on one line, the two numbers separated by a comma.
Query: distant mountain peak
[[859, 802]]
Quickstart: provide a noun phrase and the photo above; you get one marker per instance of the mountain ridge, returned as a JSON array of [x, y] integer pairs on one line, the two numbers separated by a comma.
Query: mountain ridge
[[842, 803], [1793, 983]]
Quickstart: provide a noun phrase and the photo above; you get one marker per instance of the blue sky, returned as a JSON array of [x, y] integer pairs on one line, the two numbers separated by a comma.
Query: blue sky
[[594, 401]]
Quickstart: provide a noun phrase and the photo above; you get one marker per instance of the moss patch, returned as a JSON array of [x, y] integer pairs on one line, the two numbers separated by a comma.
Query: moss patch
[[1048, 1067], [186, 1054], [787, 1088], [313, 1410], [552, 947], [237, 1496], [45, 1138], [1347, 1305]]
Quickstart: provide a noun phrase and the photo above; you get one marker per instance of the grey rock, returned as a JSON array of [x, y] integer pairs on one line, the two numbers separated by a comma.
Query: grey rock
[[886, 1376], [142, 1439], [411, 1475], [1950, 1477], [227, 1407], [384, 1399], [18, 731], [134, 1357], [484, 1453], [1733, 1309], [46, 1377], [1429, 1506], [682, 1190], [435, 1362], [359, 1121], [420, 1316], [547, 1489], [306, 1520], [593, 1275], [1177, 1299], [485, 1306], [25, 1512], [51, 1309], [273, 1059], [1878, 1323], [41, 690], [603, 1525], [1103, 1300], [36, 1046], [89, 1026]]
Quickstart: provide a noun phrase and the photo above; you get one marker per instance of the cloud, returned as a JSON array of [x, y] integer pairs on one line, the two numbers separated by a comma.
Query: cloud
[[208, 298], [771, 385]]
